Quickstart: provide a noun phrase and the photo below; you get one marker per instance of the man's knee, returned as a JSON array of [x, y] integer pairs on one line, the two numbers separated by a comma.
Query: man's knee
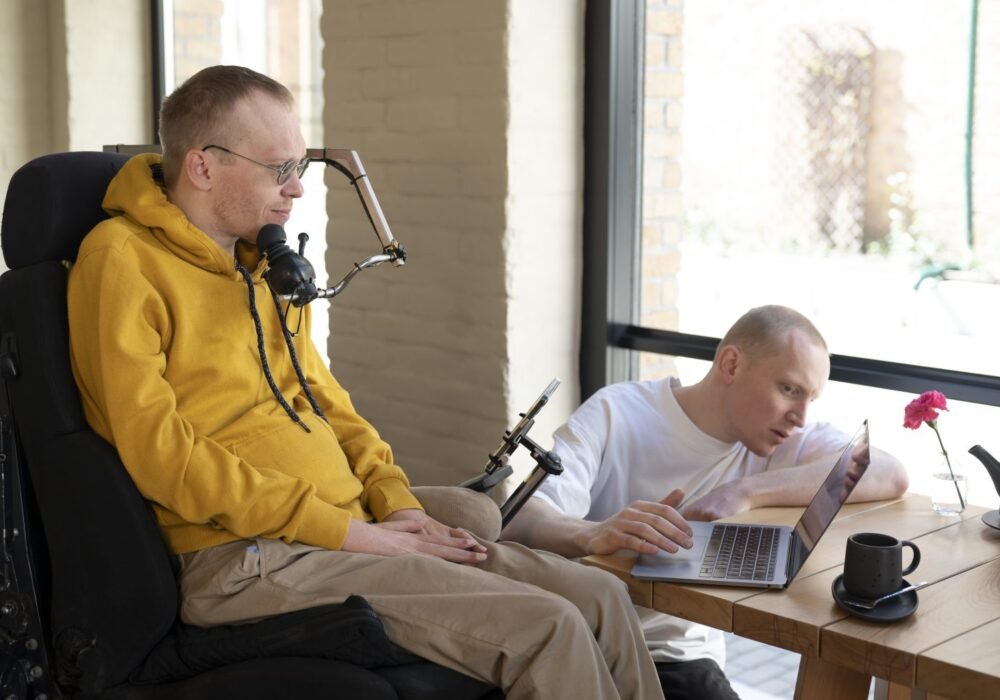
[[460, 507], [598, 594], [600, 584], [561, 615]]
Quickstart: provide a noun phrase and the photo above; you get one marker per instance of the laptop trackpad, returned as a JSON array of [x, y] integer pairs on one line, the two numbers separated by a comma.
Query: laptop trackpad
[[686, 563]]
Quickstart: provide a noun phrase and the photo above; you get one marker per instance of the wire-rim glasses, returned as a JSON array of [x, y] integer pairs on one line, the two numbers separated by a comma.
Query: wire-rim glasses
[[284, 170]]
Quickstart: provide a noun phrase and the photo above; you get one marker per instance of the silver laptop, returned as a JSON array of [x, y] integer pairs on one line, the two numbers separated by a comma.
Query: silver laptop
[[761, 556]]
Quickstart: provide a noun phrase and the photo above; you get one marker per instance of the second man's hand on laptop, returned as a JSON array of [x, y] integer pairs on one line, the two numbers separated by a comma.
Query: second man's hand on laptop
[[647, 527]]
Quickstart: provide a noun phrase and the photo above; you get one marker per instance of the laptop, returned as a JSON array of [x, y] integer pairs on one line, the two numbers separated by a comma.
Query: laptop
[[761, 556]]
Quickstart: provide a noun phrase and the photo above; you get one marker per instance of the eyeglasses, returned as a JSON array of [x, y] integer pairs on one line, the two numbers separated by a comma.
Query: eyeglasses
[[284, 170]]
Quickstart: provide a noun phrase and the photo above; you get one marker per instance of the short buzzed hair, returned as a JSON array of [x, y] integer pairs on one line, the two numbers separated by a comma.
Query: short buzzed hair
[[196, 114], [763, 330]]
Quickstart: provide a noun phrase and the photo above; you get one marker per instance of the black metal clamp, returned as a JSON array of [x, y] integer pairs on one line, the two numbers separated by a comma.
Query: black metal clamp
[[497, 468]]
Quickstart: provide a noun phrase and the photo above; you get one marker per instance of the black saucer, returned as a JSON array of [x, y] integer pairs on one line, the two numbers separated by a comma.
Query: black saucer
[[890, 611], [992, 518]]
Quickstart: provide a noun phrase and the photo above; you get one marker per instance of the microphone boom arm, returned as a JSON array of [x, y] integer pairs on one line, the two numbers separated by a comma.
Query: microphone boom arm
[[374, 260], [349, 164]]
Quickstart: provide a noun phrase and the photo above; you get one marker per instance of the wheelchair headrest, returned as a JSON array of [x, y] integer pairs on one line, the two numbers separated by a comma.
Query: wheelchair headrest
[[52, 203]]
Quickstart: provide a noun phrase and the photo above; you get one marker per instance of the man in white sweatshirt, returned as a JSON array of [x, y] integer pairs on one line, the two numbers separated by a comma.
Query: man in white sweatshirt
[[642, 458]]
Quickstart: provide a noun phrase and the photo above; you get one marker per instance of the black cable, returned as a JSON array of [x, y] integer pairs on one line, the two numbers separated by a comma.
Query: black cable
[[260, 349], [295, 360]]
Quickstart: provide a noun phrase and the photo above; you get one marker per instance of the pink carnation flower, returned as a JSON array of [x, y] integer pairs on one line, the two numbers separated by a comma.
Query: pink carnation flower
[[924, 409]]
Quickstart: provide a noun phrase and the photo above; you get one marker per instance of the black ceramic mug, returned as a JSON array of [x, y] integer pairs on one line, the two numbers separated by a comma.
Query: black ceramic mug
[[873, 564]]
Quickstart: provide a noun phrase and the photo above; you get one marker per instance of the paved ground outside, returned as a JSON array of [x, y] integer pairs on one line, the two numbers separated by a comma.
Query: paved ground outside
[[759, 671]]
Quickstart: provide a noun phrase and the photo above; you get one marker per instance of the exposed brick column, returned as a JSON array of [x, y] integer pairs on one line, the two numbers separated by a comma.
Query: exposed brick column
[[663, 207], [197, 37], [467, 116]]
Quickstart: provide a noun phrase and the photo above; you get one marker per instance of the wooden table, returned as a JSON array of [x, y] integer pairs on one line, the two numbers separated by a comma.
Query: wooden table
[[949, 648]]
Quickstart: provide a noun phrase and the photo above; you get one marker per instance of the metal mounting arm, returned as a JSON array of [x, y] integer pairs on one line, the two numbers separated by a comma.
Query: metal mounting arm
[[348, 163], [497, 469]]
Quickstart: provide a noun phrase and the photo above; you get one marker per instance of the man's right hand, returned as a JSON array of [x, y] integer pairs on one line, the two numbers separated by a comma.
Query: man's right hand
[[406, 537], [644, 527]]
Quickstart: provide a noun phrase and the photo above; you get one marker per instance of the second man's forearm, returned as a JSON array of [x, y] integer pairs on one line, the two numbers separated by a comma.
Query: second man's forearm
[[540, 526], [792, 486]]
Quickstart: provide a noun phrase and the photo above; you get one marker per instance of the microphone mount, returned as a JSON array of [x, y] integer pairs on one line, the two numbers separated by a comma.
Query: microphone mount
[[290, 275], [348, 163]]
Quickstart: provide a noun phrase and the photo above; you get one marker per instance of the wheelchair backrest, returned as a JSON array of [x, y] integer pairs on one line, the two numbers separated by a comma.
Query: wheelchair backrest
[[113, 590]]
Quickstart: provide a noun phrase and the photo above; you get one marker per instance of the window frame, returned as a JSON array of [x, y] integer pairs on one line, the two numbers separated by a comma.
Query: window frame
[[158, 61], [610, 334]]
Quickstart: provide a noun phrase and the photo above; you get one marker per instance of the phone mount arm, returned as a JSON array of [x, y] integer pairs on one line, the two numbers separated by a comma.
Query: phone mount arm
[[497, 468]]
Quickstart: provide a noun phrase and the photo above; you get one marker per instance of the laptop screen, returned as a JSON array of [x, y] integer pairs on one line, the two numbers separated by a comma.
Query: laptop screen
[[823, 508]]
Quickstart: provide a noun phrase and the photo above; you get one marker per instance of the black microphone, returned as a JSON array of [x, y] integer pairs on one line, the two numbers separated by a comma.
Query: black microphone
[[288, 273]]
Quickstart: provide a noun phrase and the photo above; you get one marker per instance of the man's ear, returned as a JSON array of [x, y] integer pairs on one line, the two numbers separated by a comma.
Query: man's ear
[[729, 363], [199, 169]]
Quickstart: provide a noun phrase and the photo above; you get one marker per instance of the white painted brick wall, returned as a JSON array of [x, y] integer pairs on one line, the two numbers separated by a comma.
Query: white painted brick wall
[[25, 130], [466, 114], [107, 64], [24, 71], [75, 76]]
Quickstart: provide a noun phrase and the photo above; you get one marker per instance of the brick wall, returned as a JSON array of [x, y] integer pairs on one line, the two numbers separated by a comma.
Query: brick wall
[[107, 64], [543, 238], [466, 114], [197, 37], [663, 205], [199, 27], [75, 77], [25, 129]]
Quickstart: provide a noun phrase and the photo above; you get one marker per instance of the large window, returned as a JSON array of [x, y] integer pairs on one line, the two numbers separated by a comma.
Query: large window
[[832, 157], [281, 39]]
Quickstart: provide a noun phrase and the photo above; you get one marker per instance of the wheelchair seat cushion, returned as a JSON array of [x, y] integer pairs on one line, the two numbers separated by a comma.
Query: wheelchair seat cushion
[[349, 632]]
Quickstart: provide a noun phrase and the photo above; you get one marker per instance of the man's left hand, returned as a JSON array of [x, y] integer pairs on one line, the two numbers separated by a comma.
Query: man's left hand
[[721, 502], [430, 526]]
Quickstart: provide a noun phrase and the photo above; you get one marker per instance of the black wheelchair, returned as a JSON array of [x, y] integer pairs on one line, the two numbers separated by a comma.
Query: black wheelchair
[[88, 592]]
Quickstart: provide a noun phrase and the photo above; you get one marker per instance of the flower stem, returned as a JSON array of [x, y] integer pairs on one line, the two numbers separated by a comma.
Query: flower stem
[[947, 460]]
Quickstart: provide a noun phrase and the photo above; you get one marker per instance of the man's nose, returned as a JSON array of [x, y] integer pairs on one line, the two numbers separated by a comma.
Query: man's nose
[[293, 187], [797, 416]]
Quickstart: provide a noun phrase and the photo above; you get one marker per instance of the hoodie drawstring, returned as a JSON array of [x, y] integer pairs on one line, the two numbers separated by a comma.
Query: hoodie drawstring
[[295, 360], [263, 355]]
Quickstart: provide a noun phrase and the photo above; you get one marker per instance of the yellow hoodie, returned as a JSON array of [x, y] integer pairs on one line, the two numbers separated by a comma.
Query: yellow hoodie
[[165, 354]]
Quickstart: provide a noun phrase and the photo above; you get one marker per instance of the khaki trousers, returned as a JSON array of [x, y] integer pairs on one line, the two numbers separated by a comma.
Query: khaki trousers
[[532, 623]]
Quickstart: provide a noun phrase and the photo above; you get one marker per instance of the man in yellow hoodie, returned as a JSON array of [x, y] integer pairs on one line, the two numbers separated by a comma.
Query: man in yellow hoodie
[[275, 493]]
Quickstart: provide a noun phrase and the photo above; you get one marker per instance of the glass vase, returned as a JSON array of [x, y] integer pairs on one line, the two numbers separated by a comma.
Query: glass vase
[[946, 486]]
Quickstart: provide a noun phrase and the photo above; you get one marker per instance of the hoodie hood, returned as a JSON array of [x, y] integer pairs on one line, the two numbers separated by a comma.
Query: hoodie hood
[[137, 193]]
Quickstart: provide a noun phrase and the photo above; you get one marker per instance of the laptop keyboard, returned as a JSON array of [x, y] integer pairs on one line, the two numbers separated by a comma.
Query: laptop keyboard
[[745, 552]]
